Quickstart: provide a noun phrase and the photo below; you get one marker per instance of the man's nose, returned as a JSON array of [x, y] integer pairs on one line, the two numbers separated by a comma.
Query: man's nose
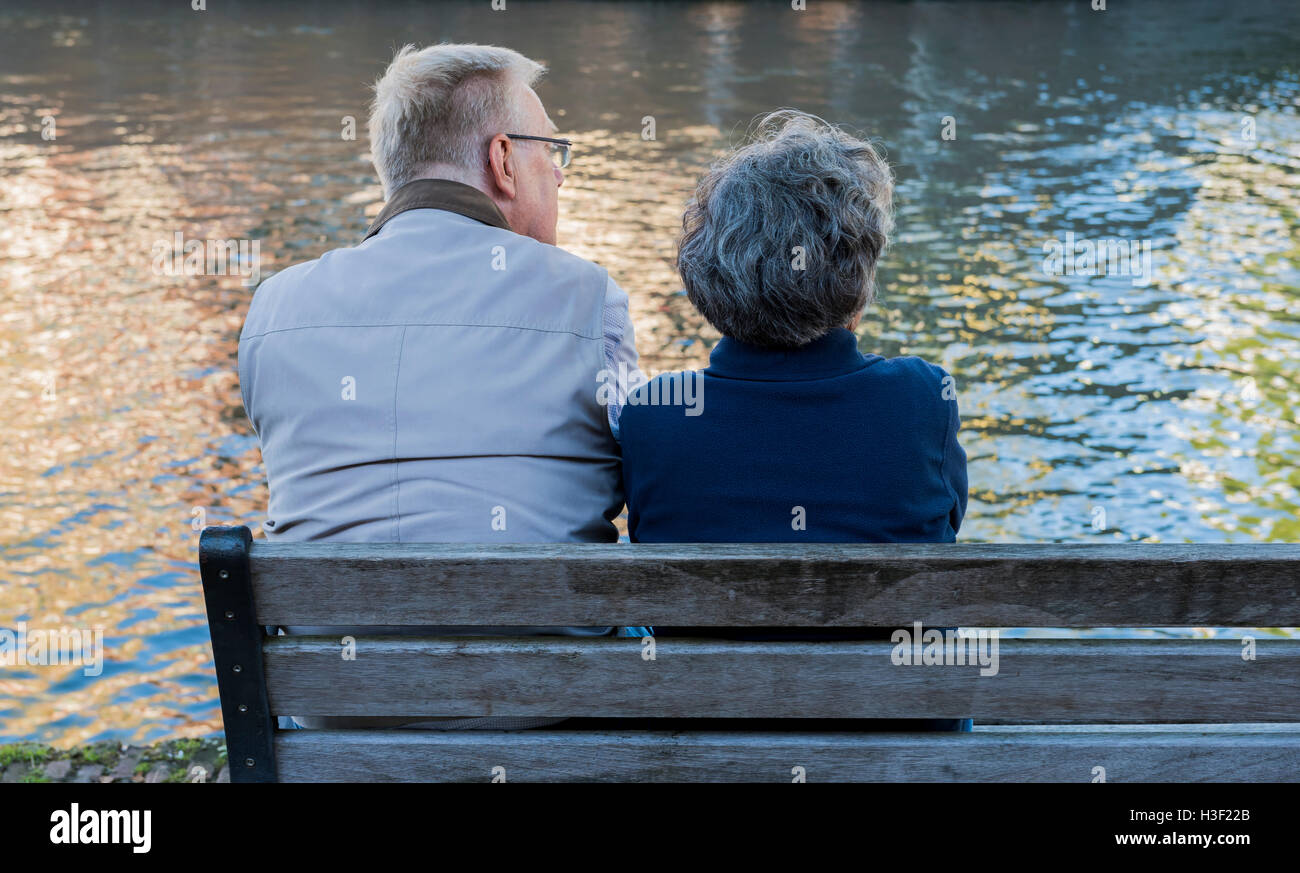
[[559, 177]]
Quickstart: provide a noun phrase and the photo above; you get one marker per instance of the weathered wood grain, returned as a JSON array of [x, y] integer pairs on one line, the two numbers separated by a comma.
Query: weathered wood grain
[[1076, 680], [830, 585], [1180, 755]]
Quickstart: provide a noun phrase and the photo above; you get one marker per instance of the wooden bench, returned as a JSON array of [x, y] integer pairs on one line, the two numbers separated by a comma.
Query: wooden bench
[[1074, 710]]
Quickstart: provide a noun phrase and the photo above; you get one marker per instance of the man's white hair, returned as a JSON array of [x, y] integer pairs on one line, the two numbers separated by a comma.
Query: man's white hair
[[440, 105]]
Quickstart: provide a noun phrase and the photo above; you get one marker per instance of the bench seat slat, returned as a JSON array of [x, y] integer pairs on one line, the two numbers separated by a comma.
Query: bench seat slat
[[1073, 680], [827, 585], [993, 755]]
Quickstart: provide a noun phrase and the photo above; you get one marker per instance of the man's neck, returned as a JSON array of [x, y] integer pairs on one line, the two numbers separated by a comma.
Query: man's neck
[[439, 193], [455, 174], [465, 177]]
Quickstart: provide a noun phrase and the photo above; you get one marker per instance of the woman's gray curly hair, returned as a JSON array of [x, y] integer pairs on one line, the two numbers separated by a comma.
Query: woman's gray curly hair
[[780, 240]]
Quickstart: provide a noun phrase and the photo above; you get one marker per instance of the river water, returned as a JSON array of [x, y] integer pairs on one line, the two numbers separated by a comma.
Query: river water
[[1160, 408]]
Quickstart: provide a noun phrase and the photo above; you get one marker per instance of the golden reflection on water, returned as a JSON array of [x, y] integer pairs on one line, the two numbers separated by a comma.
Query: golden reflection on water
[[1172, 406], [622, 207]]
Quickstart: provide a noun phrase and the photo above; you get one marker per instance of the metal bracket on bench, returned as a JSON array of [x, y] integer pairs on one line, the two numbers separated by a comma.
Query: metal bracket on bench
[[237, 652]]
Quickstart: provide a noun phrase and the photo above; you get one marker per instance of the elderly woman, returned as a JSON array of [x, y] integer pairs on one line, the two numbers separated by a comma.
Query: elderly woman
[[794, 435]]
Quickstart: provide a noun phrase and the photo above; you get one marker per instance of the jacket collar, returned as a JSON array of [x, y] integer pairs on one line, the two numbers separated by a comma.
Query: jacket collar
[[834, 354], [444, 194]]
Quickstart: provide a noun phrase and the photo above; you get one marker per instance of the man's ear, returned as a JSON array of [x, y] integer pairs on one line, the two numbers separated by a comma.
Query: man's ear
[[501, 165]]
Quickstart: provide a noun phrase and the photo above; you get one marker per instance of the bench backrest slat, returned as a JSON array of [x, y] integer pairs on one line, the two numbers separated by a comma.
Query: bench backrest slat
[[1090, 680], [976, 585], [999, 756]]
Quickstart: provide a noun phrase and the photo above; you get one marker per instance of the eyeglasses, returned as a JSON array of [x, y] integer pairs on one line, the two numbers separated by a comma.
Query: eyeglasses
[[561, 149]]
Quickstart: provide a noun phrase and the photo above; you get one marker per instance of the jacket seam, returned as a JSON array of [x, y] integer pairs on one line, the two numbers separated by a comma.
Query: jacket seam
[[406, 324], [943, 456], [397, 479]]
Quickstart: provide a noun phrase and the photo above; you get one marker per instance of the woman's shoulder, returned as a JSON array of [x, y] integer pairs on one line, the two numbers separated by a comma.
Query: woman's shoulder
[[676, 393], [924, 392], [911, 370]]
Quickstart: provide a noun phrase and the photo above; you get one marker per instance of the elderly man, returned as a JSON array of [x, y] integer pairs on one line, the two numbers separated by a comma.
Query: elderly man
[[437, 382]]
